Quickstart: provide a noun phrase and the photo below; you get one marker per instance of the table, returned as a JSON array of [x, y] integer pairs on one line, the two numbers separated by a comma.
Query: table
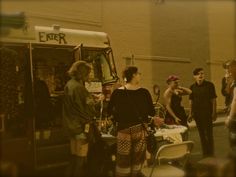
[[172, 133]]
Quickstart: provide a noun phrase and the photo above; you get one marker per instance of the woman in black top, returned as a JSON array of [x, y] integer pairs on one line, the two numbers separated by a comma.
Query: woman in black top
[[173, 97], [130, 106]]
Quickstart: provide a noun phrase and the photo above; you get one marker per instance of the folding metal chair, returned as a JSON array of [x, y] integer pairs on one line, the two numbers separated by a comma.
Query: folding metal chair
[[170, 153]]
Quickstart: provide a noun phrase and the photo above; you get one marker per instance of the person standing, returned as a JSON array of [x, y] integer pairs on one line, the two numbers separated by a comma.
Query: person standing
[[231, 119], [78, 113], [173, 97], [226, 87], [130, 106], [203, 110]]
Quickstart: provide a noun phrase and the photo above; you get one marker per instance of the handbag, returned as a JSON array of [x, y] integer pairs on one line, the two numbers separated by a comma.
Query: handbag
[[151, 141]]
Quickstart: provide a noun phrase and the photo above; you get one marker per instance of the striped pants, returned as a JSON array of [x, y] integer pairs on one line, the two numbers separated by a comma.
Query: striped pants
[[131, 151]]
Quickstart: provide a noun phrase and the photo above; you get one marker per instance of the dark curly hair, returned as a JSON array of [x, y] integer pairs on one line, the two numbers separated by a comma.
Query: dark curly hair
[[196, 71], [128, 73]]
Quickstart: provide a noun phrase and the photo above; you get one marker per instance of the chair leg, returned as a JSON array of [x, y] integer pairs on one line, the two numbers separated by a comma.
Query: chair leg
[[153, 166]]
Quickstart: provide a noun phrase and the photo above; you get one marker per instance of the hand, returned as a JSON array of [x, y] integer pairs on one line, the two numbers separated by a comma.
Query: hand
[[98, 97], [158, 121], [190, 118], [177, 120], [178, 91]]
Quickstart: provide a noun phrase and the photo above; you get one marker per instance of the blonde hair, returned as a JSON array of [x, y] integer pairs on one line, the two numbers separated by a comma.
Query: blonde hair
[[80, 70]]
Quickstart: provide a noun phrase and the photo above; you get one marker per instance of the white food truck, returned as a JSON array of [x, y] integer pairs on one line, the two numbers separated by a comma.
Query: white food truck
[[33, 75]]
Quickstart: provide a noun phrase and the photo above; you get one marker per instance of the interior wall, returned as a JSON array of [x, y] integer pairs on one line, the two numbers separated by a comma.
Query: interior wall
[[128, 23], [75, 14], [163, 36], [222, 39], [179, 40]]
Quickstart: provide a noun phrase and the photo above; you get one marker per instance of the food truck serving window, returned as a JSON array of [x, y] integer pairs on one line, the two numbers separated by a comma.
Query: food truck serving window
[[94, 48], [50, 66]]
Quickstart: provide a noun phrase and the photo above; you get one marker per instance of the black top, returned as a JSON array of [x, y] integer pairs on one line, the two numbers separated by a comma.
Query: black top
[[175, 101], [202, 96], [128, 106], [178, 109]]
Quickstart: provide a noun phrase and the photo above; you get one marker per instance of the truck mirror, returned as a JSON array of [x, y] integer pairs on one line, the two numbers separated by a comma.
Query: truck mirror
[[156, 91]]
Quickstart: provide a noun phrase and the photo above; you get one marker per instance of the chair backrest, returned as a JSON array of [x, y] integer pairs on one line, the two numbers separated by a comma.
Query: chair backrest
[[174, 151]]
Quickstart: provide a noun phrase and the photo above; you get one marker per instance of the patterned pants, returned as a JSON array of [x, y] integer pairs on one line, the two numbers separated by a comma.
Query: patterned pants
[[131, 151]]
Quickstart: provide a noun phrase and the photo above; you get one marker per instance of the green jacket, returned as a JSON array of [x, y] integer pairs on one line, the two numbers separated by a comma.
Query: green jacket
[[78, 107]]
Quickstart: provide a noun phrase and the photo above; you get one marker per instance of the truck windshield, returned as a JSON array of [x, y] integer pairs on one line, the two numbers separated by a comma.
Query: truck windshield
[[101, 62]]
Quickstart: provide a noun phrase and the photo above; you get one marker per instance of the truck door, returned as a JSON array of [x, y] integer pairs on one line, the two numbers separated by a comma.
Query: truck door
[[50, 64], [16, 111]]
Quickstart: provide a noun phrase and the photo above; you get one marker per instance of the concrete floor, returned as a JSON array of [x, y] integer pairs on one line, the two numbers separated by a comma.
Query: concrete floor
[[220, 140]]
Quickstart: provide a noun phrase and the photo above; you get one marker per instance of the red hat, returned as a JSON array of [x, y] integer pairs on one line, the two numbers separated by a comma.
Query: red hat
[[172, 78]]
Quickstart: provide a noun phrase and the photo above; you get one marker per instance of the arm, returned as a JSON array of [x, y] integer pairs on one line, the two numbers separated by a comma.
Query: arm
[[84, 104], [167, 100], [151, 109], [185, 91], [190, 117], [158, 121], [226, 85], [214, 109], [224, 89], [213, 100]]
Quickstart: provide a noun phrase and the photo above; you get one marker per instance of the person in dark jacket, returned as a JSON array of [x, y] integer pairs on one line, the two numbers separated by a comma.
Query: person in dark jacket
[[78, 112]]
